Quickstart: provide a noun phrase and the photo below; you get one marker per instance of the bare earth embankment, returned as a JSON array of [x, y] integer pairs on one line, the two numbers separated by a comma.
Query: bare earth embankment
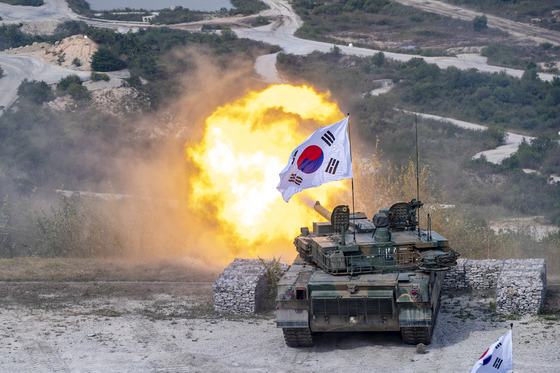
[[100, 316]]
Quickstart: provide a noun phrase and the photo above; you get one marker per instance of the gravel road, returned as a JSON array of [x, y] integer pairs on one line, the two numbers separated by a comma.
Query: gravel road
[[18, 67]]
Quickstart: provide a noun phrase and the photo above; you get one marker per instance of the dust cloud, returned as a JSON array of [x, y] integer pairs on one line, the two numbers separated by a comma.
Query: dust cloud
[[207, 191]]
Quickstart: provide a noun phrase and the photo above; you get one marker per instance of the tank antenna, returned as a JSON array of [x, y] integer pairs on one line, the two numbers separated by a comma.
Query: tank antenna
[[417, 174], [353, 211]]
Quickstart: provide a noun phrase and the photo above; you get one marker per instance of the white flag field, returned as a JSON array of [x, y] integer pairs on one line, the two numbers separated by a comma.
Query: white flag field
[[322, 157], [498, 358]]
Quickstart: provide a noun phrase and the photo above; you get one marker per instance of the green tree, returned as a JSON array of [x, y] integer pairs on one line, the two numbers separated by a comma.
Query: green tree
[[6, 239], [228, 34], [71, 28], [530, 72], [35, 91], [12, 36], [61, 229], [72, 85], [105, 60], [480, 23], [78, 92], [64, 83], [495, 136], [378, 59], [335, 51]]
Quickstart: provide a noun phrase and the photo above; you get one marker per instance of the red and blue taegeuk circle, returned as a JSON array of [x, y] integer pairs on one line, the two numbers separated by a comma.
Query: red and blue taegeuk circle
[[310, 159]]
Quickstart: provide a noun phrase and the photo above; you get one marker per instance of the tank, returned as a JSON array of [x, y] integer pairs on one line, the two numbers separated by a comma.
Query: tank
[[355, 274]]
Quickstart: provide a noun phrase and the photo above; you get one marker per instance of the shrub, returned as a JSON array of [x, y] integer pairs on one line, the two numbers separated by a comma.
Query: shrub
[[546, 45], [273, 274], [95, 76], [35, 91], [260, 21]]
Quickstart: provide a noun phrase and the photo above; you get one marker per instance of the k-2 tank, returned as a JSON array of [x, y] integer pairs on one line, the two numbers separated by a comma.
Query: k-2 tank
[[355, 274]]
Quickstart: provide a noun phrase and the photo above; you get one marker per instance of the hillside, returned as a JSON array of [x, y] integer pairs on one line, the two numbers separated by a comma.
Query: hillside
[[166, 98], [74, 52]]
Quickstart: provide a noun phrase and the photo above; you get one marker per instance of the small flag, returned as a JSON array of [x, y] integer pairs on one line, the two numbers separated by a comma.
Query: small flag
[[498, 358], [323, 157]]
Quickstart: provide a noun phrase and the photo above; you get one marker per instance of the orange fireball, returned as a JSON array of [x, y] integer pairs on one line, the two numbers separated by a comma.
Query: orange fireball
[[245, 146]]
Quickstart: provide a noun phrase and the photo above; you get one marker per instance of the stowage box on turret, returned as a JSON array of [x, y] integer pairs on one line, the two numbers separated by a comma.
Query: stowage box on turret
[[355, 274]]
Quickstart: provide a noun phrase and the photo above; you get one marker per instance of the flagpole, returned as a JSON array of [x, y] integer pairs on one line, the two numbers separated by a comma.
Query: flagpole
[[511, 325], [351, 162], [417, 175]]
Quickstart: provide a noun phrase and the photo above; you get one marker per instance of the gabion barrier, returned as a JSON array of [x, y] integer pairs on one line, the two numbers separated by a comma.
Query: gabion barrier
[[520, 284], [242, 286]]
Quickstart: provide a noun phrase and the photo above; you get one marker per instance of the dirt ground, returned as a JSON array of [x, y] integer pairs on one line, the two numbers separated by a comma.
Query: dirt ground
[[105, 316], [74, 52]]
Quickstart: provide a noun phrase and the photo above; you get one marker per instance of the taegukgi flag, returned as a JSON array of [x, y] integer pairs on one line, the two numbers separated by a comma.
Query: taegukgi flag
[[498, 358], [323, 157]]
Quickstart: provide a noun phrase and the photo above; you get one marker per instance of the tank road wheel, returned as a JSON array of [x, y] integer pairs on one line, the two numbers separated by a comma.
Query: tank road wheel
[[417, 335], [298, 337]]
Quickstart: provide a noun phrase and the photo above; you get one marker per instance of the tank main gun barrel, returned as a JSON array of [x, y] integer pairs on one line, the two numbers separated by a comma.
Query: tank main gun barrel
[[322, 211]]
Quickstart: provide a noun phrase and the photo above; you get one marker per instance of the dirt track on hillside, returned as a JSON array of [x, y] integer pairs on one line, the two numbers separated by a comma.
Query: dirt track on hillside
[[524, 32]]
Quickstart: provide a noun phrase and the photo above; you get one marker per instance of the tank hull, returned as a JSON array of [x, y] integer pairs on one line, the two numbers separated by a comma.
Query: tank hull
[[323, 302]]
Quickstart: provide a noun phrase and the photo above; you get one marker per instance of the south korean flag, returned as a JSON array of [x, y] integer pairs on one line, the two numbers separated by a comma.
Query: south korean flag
[[323, 157]]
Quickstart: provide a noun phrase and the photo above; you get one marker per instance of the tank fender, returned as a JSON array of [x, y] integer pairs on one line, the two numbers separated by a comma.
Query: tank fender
[[412, 295], [405, 298], [290, 318], [415, 317]]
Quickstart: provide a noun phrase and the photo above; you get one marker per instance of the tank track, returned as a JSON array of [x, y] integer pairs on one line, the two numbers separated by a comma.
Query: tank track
[[417, 335], [413, 335], [298, 337]]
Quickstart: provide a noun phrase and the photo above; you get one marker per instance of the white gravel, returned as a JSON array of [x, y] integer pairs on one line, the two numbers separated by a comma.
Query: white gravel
[[80, 339]]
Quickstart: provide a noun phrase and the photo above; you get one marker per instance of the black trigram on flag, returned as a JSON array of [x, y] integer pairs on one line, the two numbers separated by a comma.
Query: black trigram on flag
[[332, 166], [294, 157], [497, 363], [328, 138], [295, 179]]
